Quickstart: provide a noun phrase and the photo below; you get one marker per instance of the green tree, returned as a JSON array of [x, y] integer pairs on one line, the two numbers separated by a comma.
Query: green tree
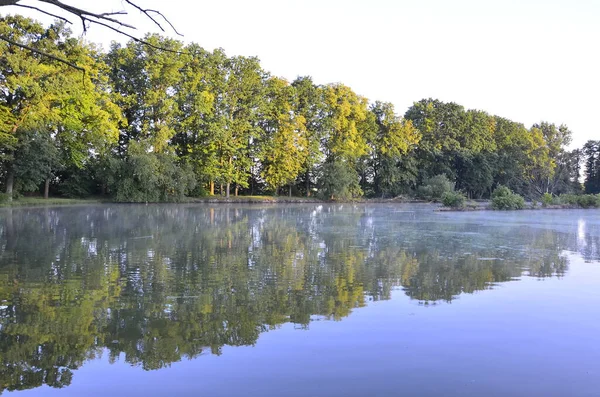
[[309, 104], [286, 145], [47, 97], [394, 138], [346, 140], [591, 153]]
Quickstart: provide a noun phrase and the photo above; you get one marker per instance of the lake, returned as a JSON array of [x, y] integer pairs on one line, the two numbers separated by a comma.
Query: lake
[[298, 300]]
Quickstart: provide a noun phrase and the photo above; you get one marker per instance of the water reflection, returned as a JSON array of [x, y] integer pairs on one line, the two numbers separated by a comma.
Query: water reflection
[[155, 284]]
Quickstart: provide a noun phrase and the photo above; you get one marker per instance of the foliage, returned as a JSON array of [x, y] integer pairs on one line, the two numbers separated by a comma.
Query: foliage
[[339, 182], [504, 199], [145, 176], [149, 119], [591, 153], [434, 188], [580, 200], [453, 199], [547, 199]]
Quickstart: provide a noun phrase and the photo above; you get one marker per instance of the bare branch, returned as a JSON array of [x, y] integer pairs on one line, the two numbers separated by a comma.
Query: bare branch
[[108, 20], [138, 40], [87, 15], [42, 53], [43, 12], [147, 11]]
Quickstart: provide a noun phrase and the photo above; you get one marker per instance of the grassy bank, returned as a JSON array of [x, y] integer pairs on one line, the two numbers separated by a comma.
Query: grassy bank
[[39, 201]]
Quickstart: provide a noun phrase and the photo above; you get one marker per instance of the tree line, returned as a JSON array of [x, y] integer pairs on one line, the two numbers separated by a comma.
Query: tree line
[[157, 120]]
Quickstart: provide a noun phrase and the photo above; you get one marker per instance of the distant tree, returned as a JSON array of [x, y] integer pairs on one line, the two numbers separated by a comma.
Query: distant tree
[[591, 153]]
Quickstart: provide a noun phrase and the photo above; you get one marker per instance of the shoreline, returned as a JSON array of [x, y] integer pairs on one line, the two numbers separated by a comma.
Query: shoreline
[[472, 206]]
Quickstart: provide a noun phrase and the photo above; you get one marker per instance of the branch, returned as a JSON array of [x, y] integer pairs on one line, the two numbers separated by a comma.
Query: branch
[[147, 13], [109, 20], [42, 53], [43, 12], [138, 40]]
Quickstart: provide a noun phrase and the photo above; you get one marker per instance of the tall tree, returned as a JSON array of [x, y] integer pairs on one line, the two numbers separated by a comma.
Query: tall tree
[[393, 139], [286, 143], [45, 96], [309, 103], [345, 141], [591, 153]]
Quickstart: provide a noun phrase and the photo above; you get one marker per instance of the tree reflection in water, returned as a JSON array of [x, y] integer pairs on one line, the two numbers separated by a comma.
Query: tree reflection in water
[[161, 283]]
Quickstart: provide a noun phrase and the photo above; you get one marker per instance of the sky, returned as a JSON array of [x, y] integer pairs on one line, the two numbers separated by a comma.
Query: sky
[[526, 60]]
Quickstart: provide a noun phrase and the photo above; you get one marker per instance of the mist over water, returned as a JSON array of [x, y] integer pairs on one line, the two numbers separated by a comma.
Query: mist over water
[[328, 300]]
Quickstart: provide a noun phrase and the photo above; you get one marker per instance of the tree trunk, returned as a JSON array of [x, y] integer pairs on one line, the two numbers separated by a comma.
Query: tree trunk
[[10, 181], [46, 188], [290, 191], [227, 189], [212, 188], [236, 190]]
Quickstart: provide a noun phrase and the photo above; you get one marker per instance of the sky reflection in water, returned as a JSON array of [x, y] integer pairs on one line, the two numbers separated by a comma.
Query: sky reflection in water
[[159, 299]]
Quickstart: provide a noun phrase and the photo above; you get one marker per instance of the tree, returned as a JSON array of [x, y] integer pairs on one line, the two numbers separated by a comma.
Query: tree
[[286, 145], [441, 126], [309, 103], [591, 153], [393, 139], [238, 90], [43, 96], [345, 140]]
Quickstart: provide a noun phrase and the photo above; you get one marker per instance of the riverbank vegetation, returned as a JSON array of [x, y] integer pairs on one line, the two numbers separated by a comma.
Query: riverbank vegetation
[[168, 121]]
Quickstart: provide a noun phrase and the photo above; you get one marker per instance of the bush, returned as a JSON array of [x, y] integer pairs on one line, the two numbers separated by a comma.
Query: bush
[[547, 199], [453, 199], [434, 188], [588, 201], [581, 200], [150, 177], [504, 199]]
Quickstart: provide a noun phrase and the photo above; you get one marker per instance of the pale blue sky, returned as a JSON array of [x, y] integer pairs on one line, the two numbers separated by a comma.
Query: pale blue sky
[[527, 60]]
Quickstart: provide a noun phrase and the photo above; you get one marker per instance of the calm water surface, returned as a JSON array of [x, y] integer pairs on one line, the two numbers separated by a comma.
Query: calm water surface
[[311, 300]]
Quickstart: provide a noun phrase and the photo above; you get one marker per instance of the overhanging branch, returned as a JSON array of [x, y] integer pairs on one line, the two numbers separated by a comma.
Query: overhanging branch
[[110, 20], [42, 53]]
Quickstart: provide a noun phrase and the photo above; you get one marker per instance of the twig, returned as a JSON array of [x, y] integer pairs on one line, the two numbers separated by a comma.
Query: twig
[[147, 12]]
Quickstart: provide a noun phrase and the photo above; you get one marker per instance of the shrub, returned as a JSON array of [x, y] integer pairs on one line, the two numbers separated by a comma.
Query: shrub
[[580, 200], [453, 199], [434, 188], [504, 199], [568, 199], [547, 199], [588, 201]]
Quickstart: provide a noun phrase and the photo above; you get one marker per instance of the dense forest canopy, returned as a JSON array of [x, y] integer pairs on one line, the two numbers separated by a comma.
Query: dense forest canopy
[[158, 120]]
